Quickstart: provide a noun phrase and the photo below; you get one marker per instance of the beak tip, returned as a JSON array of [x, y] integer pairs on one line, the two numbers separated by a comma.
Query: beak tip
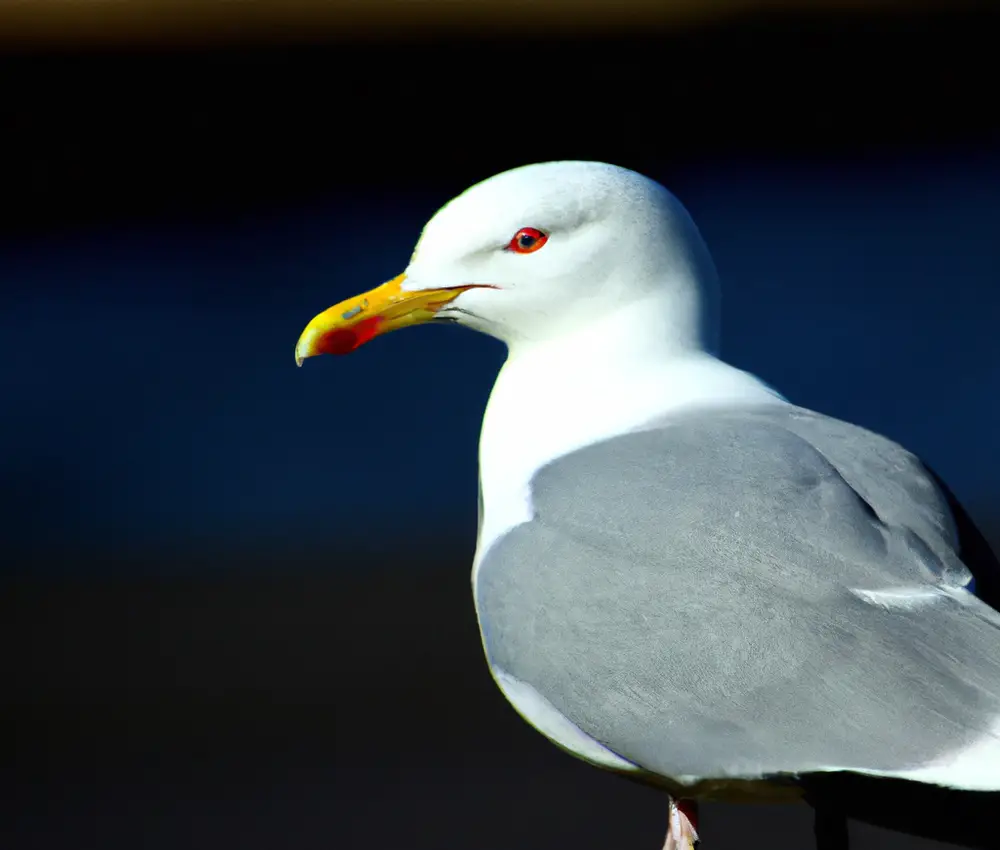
[[304, 348]]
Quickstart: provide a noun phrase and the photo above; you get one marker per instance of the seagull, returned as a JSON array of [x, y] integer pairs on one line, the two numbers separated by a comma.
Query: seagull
[[680, 575]]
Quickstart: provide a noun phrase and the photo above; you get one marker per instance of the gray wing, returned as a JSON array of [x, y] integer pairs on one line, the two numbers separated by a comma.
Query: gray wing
[[743, 594]]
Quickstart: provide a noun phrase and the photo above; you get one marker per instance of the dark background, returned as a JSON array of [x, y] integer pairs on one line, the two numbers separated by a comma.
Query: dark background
[[235, 603]]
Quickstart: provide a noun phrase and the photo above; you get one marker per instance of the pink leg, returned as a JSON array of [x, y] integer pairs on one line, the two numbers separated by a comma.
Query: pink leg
[[682, 833]]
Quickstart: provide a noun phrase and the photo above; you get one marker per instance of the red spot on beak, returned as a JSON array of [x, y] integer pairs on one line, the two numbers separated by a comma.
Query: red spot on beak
[[345, 340]]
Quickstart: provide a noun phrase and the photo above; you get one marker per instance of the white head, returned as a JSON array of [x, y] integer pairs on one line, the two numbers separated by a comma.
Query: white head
[[541, 252]]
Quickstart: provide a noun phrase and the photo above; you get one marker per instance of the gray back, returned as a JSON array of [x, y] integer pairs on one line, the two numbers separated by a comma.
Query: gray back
[[686, 597]]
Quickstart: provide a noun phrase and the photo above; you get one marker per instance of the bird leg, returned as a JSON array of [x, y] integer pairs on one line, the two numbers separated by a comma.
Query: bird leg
[[681, 825]]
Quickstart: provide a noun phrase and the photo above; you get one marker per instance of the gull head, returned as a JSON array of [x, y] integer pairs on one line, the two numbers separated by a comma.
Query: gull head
[[543, 252]]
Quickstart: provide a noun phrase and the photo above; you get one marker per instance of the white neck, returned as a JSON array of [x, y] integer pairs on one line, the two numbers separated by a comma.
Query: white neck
[[608, 378]]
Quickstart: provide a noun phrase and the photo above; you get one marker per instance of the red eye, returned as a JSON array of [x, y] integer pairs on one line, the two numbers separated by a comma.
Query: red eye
[[526, 240]]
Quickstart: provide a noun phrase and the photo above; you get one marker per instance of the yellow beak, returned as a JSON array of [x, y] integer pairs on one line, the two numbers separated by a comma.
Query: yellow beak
[[351, 323]]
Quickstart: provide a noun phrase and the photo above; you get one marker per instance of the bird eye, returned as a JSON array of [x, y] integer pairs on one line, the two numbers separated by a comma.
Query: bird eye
[[527, 240]]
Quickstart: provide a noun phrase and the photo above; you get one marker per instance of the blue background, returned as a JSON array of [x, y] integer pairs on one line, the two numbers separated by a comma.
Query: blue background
[[151, 397]]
